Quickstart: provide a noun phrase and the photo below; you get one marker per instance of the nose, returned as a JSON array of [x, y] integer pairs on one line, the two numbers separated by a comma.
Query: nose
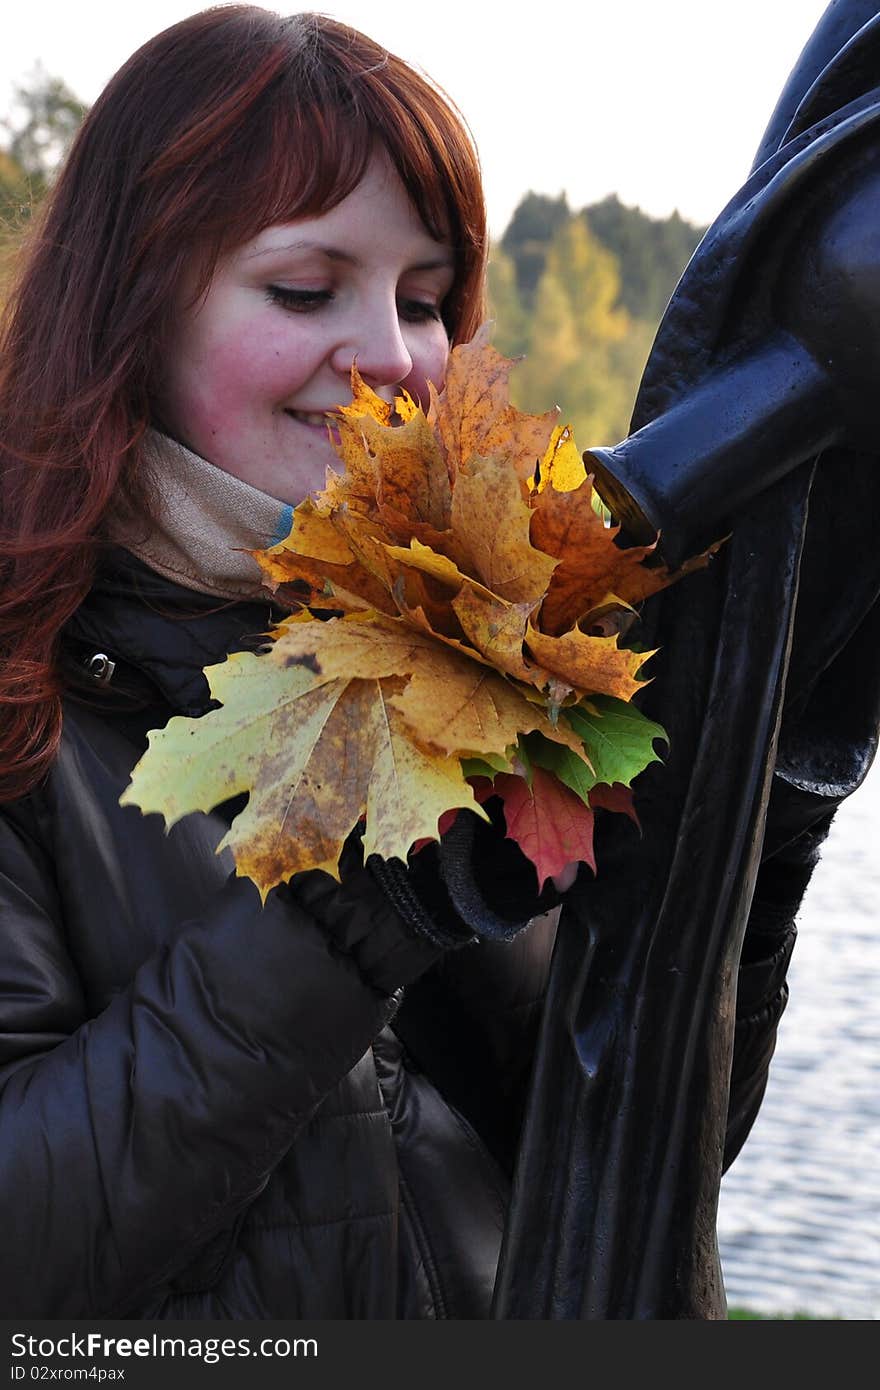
[[377, 342]]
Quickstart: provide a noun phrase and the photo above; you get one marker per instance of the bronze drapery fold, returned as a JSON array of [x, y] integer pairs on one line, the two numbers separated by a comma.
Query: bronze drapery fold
[[768, 682]]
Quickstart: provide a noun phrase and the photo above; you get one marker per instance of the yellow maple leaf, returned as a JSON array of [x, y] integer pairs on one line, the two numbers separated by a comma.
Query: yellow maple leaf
[[590, 664], [317, 747], [562, 466]]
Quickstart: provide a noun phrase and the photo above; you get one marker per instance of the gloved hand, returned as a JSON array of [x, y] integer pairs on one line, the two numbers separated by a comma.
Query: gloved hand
[[361, 919], [473, 882], [397, 919]]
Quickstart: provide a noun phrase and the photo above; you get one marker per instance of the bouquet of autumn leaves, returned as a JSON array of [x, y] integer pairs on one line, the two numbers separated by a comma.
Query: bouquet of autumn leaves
[[455, 599]]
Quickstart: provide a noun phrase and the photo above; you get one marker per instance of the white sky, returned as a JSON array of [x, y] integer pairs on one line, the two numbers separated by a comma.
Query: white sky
[[660, 101]]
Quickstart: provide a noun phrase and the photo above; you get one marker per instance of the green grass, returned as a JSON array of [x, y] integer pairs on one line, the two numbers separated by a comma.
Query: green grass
[[738, 1314]]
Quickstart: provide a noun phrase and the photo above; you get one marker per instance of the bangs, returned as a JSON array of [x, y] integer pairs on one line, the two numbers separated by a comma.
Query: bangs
[[294, 138]]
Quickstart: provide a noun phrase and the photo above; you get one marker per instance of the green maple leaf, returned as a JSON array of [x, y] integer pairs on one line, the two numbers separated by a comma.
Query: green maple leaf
[[487, 766], [618, 738], [574, 772]]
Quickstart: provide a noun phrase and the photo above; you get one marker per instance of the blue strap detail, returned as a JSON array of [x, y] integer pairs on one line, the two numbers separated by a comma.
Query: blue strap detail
[[285, 521]]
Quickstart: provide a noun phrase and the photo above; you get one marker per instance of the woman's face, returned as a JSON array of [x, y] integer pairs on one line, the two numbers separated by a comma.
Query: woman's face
[[253, 366]]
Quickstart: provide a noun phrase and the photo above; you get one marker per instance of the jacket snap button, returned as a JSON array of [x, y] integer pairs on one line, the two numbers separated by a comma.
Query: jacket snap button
[[100, 668]]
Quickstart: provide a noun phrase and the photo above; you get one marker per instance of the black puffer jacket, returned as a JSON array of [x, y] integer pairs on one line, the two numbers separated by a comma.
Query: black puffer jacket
[[212, 1110], [204, 1110]]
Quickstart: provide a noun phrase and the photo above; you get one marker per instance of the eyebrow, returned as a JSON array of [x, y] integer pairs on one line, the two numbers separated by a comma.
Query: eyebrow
[[443, 261]]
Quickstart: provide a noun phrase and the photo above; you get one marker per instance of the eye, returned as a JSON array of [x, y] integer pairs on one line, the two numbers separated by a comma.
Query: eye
[[300, 301], [418, 311]]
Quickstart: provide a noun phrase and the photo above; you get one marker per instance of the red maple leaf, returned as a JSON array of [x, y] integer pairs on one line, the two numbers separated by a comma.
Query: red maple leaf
[[550, 824], [615, 797]]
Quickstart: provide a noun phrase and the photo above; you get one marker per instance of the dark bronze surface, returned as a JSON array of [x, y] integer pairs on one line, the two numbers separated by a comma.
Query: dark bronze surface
[[756, 415]]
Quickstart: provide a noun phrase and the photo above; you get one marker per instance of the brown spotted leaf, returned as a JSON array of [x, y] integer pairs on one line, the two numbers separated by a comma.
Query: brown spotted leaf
[[315, 750]]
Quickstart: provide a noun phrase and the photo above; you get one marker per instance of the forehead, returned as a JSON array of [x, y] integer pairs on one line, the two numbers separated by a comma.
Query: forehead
[[376, 216]]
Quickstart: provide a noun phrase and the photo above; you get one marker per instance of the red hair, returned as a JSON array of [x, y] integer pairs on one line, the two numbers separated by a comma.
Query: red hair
[[231, 121]]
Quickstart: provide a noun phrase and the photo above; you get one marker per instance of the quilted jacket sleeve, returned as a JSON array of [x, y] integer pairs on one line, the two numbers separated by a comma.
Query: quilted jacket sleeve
[[128, 1138]]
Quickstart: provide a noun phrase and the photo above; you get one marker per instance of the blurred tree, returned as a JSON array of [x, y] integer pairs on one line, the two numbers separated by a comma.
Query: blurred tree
[[581, 294], [45, 117], [34, 138], [652, 252], [528, 236], [15, 208], [505, 305], [626, 363], [551, 352], [584, 352], [591, 275], [13, 183]]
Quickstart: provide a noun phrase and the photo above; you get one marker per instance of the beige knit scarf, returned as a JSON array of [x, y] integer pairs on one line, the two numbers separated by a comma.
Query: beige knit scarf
[[208, 521]]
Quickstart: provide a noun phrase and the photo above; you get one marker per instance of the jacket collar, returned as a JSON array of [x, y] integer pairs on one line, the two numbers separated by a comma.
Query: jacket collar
[[160, 633]]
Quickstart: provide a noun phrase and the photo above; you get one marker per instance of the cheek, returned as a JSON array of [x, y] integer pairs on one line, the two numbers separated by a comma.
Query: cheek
[[233, 376], [249, 364]]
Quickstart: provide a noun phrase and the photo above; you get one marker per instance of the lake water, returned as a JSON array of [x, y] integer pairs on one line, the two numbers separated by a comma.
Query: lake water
[[799, 1215]]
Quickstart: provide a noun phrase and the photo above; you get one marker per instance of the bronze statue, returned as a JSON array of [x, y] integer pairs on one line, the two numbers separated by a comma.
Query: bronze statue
[[756, 418]]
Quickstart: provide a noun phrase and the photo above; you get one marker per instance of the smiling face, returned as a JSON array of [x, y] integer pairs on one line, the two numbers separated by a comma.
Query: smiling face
[[254, 364]]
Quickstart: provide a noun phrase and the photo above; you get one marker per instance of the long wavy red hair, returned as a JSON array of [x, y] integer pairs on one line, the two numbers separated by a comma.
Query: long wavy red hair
[[233, 120]]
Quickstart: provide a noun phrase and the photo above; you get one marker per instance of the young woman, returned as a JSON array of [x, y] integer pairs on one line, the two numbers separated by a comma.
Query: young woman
[[209, 1108]]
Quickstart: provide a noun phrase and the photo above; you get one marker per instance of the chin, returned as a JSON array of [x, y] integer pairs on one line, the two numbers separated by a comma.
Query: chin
[[299, 483]]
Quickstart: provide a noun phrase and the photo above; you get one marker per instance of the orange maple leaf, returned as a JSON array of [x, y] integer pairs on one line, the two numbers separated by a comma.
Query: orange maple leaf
[[472, 415]]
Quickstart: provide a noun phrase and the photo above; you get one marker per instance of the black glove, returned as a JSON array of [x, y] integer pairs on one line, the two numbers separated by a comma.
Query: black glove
[[474, 883], [397, 919], [361, 919]]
